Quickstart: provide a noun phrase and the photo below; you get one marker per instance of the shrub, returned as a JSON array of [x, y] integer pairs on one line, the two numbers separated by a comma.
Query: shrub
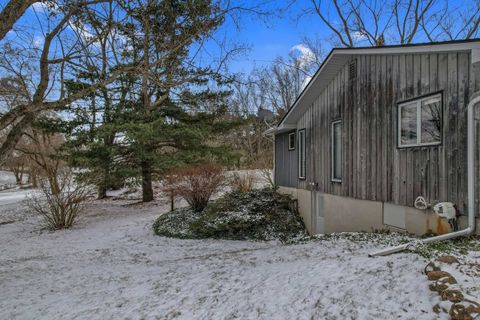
[[267, 175], [255, 215], [176, 224], [196, 183], [243, 182], [60, 207]]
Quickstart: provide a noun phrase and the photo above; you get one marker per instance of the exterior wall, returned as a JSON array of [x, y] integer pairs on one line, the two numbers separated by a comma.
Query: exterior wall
[[286, 163], [373, 167]]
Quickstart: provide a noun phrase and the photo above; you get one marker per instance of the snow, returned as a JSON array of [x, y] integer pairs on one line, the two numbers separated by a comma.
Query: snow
[[8, 181], [112, 266], [6, 178]]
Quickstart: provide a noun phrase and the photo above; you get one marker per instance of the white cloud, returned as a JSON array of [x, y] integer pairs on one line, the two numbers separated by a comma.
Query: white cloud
[[38, 41], [358, 36], [81, 29], [45, 6], [306, 81], [306, 56]]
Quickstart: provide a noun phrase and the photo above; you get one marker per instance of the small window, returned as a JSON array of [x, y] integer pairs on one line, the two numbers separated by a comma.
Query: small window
[[291, 141], [337, 151], [302, 162], [420, 122]]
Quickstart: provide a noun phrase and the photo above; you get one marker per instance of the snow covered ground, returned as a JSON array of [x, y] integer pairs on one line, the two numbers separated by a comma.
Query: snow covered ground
[[112, 266]]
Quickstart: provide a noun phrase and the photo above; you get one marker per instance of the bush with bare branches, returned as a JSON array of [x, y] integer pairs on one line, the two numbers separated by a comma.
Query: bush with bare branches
[[195, 183], [60, 208], [243, 181]]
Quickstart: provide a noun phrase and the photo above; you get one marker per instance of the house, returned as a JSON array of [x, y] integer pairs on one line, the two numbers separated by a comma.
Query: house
[[374, 129]]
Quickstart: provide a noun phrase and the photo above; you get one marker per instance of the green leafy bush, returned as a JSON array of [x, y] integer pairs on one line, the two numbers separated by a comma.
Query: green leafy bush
[[254, 215]]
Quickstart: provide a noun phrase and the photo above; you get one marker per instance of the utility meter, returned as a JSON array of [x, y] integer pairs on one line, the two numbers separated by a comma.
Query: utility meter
[[445, 210]]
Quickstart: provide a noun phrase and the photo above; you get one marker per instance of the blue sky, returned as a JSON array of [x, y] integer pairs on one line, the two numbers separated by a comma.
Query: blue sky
[[275, 37], [267, 39]]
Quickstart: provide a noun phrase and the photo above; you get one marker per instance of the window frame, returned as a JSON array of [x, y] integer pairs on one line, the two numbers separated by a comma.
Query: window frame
[[418, 100], [302, 133], [332, 150], [290, 148]]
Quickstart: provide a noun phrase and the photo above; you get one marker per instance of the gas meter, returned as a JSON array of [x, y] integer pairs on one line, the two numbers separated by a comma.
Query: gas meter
[[447, 210]]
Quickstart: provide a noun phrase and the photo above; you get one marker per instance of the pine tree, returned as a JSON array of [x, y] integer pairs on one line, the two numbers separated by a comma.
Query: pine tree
[[167, 122], [167, 115]]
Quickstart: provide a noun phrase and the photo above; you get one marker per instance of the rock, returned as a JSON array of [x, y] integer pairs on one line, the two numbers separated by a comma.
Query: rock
[[435, 275], [459, 312], [452, 295], [447, 259], [437, 287], [437, 309], [431, 267], [473, 309]]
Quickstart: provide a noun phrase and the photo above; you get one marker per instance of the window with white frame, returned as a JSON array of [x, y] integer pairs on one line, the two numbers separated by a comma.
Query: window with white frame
[[420, 122], [291, 141], [337, 151], [302, 162]]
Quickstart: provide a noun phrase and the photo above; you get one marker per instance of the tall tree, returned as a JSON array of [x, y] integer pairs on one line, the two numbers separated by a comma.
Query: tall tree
[[380, 22], [10, 14], [166, 120]]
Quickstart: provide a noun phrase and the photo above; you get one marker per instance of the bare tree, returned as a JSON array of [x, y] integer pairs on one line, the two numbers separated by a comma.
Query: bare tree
[[11, 13], [379, 22]]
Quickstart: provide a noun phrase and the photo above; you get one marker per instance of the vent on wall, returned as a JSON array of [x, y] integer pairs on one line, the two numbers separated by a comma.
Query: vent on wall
[[352, 70]]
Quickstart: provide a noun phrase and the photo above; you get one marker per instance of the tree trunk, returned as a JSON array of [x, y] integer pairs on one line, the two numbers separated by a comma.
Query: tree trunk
[[102, 192], [11, 13], [147, 189], [18, 179], [54, 185]]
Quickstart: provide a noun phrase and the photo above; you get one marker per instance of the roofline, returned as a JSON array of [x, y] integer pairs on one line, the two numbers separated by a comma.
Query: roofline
[[330, 54]]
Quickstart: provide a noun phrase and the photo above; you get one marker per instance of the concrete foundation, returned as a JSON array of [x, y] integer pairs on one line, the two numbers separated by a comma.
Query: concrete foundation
[[348, 214], [330, 213]]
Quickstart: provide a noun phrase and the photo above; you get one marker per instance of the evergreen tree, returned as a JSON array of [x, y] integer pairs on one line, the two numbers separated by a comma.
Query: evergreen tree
[[167, 122], [167, 115]]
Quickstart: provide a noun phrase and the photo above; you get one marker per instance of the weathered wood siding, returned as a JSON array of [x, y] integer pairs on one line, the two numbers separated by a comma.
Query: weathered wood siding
[[286, 163], [373, 167]]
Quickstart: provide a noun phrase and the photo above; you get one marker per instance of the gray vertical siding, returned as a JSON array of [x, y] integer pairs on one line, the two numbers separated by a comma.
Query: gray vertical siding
[[286, 162], [373, 167]]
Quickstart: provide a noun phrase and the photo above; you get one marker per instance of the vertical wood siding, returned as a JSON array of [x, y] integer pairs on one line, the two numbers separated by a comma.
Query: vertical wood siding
[[373, 167], [286, 162]]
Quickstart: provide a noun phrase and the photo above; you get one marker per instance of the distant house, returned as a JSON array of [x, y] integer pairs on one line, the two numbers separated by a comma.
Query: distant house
[[374, 129]]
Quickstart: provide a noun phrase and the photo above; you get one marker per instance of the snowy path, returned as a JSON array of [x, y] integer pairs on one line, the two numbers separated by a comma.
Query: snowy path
[[111, 266], [12, 197]]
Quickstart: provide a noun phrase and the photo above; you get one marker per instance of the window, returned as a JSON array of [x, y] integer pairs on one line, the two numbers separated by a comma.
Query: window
[[420, 122], [291, 141], [302, 163], [337, 151]]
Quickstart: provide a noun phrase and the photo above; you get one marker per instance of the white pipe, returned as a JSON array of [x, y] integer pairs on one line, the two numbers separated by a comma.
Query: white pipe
[[470, 186]]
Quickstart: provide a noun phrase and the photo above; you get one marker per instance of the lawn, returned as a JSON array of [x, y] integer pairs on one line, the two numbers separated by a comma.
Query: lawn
[[112, 266]]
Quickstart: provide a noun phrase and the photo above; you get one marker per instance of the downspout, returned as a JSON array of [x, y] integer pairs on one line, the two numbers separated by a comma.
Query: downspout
[[470, 186]]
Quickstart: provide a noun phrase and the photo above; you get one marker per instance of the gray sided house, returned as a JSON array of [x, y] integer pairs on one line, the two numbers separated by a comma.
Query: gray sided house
[[374, 129]]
